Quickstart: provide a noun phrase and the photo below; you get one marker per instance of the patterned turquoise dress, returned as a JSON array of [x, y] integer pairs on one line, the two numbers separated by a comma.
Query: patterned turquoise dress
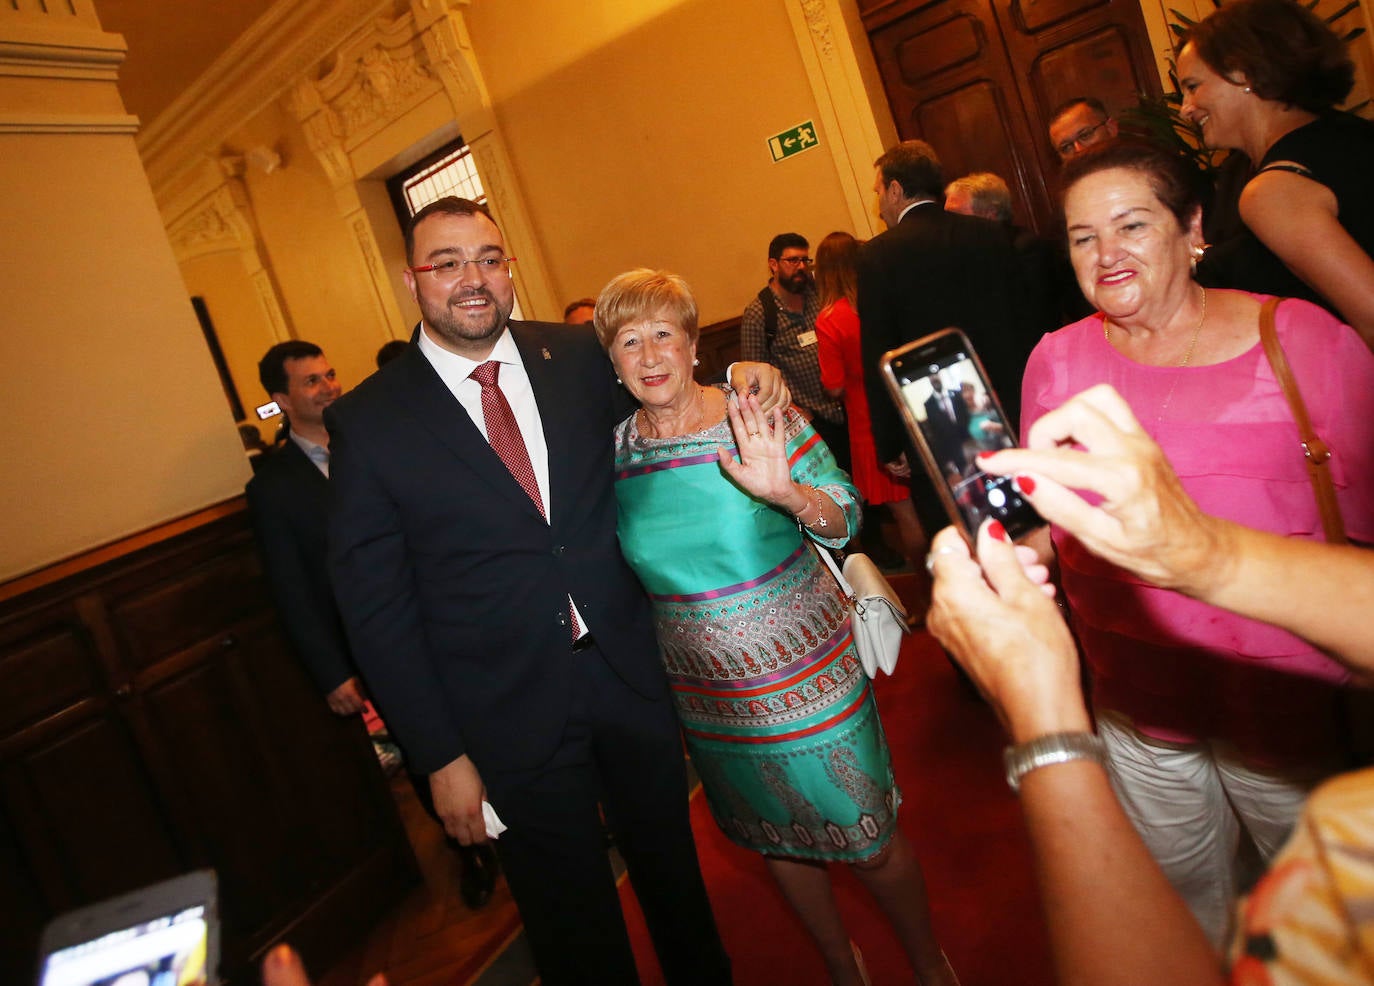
[[778, 715]]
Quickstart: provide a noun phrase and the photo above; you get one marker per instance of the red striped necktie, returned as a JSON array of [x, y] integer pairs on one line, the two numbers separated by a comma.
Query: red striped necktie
[[503, 435]]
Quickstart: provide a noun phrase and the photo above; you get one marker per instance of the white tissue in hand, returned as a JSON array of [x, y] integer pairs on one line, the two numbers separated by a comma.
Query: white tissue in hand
[[494, 825]]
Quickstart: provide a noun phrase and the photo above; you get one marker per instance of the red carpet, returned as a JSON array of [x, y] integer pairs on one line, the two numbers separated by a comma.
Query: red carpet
[[964, 823]]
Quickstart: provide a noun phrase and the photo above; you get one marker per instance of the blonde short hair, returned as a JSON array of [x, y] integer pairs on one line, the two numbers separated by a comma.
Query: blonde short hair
[[642, 294]]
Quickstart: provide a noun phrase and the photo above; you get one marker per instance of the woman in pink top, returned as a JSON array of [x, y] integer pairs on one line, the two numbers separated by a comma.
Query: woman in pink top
[[842, 373], [1212, 721]]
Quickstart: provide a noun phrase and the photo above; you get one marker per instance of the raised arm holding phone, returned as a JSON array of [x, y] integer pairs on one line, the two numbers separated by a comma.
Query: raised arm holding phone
[[1113, 917]]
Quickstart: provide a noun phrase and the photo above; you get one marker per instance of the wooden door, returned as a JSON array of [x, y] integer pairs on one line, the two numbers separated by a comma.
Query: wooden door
[[977, 79]]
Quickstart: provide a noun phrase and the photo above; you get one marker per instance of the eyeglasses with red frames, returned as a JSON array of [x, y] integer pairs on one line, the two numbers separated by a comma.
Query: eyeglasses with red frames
[[449, 270]]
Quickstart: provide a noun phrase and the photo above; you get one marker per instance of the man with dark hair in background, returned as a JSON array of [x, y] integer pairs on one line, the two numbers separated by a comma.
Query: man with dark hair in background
[[579, 312], [1051, 287], [1078, 123], [389, 351], [779, 327], [932, 270], [288, 500]]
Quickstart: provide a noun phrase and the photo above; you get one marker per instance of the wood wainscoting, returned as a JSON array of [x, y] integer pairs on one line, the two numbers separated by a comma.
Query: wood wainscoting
[[155, 721], [717, 347]]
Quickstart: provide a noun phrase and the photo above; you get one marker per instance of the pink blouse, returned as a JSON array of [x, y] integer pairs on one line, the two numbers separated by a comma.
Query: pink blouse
[[1183, 670]]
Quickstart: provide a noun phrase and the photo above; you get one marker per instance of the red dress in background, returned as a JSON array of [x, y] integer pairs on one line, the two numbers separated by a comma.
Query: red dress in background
[[837, 342]]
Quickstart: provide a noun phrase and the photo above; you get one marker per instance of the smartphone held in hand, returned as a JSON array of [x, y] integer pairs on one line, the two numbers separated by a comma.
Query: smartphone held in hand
[[166, 934], [952, 413]]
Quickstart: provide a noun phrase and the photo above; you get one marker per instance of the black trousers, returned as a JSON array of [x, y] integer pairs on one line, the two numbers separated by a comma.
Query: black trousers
[[624, 752]]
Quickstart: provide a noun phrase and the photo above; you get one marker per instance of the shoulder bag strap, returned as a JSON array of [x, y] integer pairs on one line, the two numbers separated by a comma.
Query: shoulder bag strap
[[770, 318], [1315, 452], [830, 563]]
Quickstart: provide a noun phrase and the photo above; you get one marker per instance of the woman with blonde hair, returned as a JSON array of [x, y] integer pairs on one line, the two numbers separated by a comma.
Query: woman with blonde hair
[[720, 504]]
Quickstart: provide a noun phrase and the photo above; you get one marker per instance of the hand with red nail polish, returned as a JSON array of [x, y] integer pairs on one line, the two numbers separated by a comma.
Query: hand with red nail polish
[[1003, 628], [1139, 516]]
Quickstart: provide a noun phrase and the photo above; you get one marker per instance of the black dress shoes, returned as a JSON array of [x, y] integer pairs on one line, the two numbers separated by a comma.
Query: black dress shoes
[[478, 879]]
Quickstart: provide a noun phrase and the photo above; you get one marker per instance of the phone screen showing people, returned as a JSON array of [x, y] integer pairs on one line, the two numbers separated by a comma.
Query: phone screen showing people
[[163, 935], [953, 414]]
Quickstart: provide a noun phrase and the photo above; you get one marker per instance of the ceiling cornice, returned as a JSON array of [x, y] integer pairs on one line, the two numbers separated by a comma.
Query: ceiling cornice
[[283, 45]]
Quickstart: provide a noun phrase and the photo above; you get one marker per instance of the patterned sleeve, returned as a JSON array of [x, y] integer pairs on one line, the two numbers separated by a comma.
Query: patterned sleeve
[[1310, 918], [813, 465]]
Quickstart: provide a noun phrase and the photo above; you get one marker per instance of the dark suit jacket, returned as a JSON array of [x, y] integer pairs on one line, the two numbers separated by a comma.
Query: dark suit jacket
[[949, 435], [936, 270], [288, 498], [452, 586]]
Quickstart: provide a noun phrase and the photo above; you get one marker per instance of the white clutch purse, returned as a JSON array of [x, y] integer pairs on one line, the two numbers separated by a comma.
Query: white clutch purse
[[878, 618]]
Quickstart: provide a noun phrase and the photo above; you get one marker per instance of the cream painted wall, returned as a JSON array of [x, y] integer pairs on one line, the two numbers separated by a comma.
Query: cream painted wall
[[639, 138], [310, 249], [628, 142], [243, 333], [114, 420]]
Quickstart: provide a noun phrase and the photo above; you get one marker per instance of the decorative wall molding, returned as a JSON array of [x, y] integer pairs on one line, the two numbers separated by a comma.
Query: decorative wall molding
[[223, 222], [284, 45], [270, 305], [77, 62], [30, 20], [818, 22], [61, 123], [855, 129], [378, 75], [93, 56]]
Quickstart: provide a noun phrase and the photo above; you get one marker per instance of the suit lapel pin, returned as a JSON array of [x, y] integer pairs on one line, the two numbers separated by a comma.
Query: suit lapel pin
[[545, 351]]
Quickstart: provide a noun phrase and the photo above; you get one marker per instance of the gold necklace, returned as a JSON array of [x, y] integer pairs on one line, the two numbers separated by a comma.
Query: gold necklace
[[1187, 356], [700, 415]]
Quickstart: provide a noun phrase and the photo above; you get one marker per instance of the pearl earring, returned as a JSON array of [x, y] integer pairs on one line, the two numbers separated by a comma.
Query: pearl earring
[[696, 362], [1247, 89], [619, 381]]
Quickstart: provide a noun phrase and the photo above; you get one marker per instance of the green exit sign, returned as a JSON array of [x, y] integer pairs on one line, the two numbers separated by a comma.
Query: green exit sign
[[800, 138]]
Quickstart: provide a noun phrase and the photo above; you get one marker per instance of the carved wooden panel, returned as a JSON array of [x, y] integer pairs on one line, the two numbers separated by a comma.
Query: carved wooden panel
[[160, 723], [1035, 16], [977, 108], [977, 80], [1098, 63], [46, 669], [941, 48]]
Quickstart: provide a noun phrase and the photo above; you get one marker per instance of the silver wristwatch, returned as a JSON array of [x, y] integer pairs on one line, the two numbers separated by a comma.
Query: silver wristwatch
[[1042, 751]]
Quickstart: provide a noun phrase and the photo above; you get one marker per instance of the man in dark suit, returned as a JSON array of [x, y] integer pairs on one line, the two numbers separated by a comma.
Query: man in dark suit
[[948, 416], [932, 270], [473, 549], [288, 499]]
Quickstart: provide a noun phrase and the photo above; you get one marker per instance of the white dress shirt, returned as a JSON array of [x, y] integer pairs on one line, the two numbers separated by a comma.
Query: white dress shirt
[[456, 373]]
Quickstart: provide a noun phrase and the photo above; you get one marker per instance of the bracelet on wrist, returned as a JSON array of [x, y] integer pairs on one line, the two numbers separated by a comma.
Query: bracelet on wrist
[[815, 496], [821, 522], [1043, 751]]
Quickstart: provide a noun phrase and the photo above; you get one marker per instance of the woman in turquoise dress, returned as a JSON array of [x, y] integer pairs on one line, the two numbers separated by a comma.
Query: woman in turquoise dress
[[718, 505]]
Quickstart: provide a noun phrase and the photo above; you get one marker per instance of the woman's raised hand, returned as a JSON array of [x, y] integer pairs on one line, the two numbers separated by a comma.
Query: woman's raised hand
[[1145, 522], [761, 438]]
